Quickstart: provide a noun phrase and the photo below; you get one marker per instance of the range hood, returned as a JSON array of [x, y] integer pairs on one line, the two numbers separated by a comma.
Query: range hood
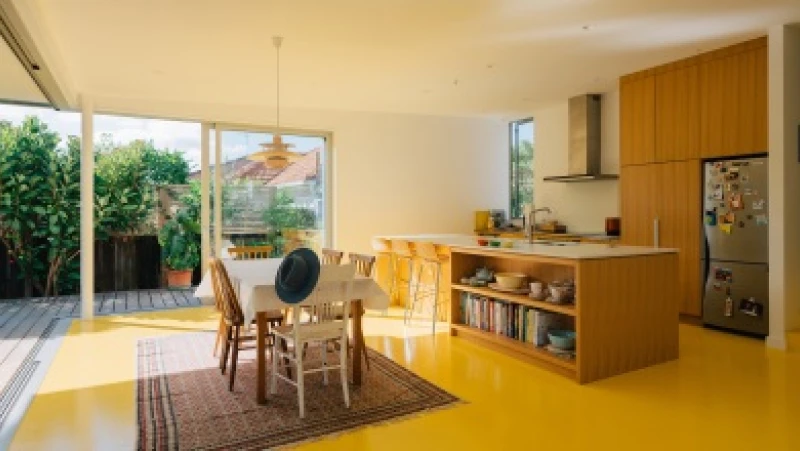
[[584, 142]]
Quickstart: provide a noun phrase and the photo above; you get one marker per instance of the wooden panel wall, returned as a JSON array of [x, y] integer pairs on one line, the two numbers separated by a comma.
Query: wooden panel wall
[[637, 119], [628, 314]]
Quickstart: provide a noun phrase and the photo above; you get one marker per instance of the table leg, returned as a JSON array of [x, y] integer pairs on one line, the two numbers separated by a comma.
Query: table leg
[[358, 343], [261, 351]]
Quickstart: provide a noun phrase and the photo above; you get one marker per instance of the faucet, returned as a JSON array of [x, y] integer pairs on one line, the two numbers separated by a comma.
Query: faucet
[[532, 221]]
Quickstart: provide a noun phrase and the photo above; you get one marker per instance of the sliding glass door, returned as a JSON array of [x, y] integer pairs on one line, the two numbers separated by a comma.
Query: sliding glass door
[[284, 206]]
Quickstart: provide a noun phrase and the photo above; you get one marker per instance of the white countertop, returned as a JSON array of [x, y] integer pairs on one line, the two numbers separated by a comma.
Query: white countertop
[[575, 251]]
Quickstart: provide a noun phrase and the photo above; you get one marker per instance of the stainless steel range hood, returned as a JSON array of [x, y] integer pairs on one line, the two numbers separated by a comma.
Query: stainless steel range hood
[[584, 142]]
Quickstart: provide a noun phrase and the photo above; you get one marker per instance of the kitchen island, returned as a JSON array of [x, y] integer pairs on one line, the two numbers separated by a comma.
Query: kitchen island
[[624, 313]]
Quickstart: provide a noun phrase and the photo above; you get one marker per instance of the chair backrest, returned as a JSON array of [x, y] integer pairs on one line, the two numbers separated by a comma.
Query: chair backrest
[[364, 264], [250, 252], [331, 300], [331, 257], [402, 248], [225, 294]]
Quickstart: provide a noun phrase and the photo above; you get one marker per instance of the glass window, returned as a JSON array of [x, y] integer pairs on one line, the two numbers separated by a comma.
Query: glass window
[[521, 134]]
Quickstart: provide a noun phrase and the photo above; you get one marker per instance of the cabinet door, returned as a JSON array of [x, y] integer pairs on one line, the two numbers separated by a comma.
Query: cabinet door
[[678, 195], [677, 115], [637, 204], [733, 98], [637, 120]]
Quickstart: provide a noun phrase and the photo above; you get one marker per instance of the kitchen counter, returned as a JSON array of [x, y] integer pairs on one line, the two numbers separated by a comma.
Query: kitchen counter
[[624, 313], [564, 250]]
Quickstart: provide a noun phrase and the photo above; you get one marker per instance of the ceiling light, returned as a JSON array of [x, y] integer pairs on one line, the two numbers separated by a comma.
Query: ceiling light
[[276, 154]]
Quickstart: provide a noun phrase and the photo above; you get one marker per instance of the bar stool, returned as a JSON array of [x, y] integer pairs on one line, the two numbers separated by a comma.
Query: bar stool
[[403, 255], [430, 261], [383, 249]]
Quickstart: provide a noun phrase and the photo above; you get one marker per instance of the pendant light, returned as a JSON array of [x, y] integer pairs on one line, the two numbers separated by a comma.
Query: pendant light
[[276, 154]]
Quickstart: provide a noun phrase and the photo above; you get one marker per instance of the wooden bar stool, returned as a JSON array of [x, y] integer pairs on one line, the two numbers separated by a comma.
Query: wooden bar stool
[[403, 254], [428, 261], [383, 250]]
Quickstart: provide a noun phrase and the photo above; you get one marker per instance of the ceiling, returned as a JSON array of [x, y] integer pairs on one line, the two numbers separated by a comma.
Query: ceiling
[[15, 83], [446, 57]]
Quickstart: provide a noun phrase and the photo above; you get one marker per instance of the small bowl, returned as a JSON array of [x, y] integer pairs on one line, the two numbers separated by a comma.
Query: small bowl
[[483, 242], [562, 339], [507, 244], [510, 280], [494, 243], [538, 290], [561, 293]]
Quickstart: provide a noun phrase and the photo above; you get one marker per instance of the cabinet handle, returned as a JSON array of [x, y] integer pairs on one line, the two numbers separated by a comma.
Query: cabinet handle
[[655, 232]]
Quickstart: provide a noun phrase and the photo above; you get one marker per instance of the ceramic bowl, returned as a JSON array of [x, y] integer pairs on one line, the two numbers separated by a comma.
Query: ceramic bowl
[[562, 339], [510, 280], [494, 243], [483, 242]]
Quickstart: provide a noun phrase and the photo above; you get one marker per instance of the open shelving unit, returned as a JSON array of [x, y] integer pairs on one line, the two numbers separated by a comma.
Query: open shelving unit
[[625, 314]]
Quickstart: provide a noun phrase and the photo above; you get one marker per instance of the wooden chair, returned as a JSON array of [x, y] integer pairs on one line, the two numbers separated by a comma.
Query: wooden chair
[[331, 257], [250, 252], [364, 267], [331, 295], [232, 320]]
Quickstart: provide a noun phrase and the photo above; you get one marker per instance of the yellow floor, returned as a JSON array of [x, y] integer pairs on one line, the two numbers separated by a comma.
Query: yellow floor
[[725, 392]]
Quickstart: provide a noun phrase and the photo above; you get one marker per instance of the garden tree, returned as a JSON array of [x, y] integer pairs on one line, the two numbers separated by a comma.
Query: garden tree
[[40, 198], [283, 214], [523, 170], [30, 172]]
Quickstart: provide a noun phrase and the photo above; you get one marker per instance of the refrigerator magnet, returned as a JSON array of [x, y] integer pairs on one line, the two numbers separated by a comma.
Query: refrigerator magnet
[[762, 220], [717, 286], [741, 224], [736, 202], [718, 193], [728, 307], [726, 228], [730, 175], [711, 217], [745, 178], [748, 192], [759, 204]]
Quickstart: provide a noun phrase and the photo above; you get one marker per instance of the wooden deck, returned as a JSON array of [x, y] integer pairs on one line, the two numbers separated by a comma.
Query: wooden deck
[[27, 324]]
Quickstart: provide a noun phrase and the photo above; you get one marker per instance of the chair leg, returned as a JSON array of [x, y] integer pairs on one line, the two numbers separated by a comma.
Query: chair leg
[[364, 349], [436, 277], [343, 374], [413, 303], [220, 333], [273, 386], [223, 358], [325, 363], [234, 356], [298, 351]]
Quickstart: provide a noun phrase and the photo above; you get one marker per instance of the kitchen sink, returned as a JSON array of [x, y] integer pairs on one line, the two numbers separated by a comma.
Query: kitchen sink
[[524, 244]]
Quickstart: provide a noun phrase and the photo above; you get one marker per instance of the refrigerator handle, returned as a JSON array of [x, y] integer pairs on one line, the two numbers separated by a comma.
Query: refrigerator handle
[[655, 232], [707, 259]]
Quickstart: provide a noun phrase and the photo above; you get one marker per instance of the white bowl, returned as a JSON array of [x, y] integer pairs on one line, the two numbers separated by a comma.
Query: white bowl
[[510, 280]]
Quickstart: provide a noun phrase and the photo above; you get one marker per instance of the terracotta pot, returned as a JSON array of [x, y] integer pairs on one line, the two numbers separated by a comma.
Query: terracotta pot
[[179, 279]]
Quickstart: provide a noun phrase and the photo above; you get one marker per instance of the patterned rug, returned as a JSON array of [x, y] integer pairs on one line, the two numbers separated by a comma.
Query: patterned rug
[[183, 401]]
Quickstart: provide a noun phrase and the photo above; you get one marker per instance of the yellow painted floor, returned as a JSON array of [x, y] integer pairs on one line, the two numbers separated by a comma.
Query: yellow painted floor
[[725, 392]]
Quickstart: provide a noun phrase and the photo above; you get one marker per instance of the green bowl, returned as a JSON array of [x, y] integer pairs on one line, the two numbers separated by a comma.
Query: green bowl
[[494, 243], [562, 339]]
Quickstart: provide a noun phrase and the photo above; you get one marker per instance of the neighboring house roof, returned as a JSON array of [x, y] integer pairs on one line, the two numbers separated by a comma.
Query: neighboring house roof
[[242, 168], [302, 170]]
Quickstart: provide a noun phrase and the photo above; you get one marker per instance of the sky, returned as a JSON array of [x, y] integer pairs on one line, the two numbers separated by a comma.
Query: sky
[[176, 135]]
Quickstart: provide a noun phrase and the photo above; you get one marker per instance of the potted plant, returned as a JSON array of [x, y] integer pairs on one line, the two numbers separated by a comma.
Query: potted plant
[[180, 248]]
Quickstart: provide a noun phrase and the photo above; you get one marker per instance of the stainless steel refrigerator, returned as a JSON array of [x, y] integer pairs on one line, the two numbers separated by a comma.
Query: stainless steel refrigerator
[[735, 258]]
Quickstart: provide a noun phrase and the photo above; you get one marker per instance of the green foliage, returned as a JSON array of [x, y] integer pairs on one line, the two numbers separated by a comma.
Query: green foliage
[[521, 178], [39, 202], [40, 197], [180, 242], [283, 214]]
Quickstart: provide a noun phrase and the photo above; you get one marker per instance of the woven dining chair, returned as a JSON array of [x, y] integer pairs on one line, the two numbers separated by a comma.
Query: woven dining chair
[[332, 294], [365, 265], [250, 252], [232, 321]]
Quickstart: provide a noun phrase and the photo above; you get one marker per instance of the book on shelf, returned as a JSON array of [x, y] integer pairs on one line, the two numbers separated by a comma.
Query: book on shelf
[[520, 322]]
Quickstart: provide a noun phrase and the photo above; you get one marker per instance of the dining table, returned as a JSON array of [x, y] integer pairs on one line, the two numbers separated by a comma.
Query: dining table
[[254, 283]]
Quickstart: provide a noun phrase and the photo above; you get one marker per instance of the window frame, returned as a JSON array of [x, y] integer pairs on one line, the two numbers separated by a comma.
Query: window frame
[[513, 169]]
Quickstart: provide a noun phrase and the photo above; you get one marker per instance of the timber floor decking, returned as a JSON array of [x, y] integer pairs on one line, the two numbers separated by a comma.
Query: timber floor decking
[[26, 324]]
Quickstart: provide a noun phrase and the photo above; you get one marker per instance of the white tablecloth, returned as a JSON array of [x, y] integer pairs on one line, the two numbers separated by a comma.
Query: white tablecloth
[[254, 281]]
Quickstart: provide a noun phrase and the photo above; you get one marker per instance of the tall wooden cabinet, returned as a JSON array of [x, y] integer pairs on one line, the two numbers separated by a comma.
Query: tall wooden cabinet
[[671, 118], [677, 114], [733, 111], [637, 112]]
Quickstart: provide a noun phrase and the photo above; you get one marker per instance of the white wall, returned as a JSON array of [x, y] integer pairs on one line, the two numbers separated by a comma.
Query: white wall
[[583, 207], [784, 183]]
